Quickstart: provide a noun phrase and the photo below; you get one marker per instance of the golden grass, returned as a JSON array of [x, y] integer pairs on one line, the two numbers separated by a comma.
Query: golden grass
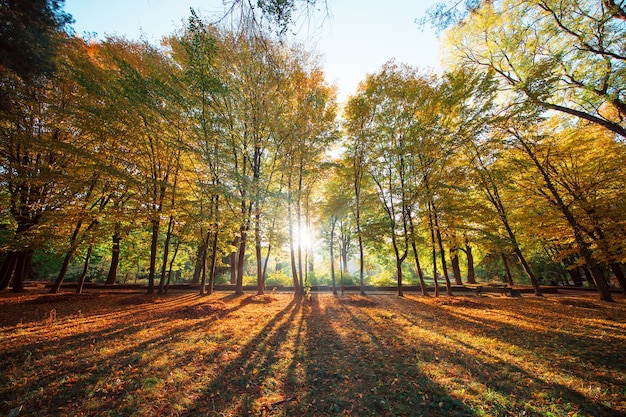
[[221, 355]]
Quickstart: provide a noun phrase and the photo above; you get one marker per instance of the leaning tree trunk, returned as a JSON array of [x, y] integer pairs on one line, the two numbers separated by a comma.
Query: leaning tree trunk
[[507, 270], [83, 275], [442, 253], [418, 267]]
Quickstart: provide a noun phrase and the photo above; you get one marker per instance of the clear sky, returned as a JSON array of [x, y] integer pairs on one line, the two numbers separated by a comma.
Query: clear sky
[[358, 37]]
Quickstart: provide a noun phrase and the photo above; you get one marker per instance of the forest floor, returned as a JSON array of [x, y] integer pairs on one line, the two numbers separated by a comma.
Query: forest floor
[[104, 354]]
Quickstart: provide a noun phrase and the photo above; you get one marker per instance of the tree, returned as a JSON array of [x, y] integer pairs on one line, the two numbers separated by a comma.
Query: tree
[[565, 59], [29, 37]]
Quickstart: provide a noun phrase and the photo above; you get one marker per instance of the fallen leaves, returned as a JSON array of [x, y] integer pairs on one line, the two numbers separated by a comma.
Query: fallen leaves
[[128, 354]]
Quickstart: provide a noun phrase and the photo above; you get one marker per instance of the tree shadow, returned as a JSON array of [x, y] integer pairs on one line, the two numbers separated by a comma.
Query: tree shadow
[[350, 370], [511, 384], [250, 376], [85, 364]]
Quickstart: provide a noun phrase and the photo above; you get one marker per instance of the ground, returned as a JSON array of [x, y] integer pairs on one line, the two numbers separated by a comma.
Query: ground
[[380, 355]]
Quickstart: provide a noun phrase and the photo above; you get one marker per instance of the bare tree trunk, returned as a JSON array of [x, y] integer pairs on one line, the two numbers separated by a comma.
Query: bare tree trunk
[[83, 275]]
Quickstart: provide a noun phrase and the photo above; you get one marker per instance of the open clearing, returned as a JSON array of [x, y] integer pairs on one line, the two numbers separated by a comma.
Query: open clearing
[[221, 355]]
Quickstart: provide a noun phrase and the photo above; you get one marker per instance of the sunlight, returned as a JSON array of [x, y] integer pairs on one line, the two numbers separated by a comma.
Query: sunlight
[[304, 236]]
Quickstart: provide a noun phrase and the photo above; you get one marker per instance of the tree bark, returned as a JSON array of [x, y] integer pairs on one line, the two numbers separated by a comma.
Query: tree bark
[[456, 268], [169, 274], [21, 269], [233, 262], [6, 271], [83, 275], [619, 275], [333, 222], [471, 276], [115, 257], [166, 250], [442, 252], [197, 270], [205, 253], [434, 248], [153, 254]]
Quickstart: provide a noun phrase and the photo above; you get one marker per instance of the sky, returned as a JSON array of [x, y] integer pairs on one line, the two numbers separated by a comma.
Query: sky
[[355, 38]]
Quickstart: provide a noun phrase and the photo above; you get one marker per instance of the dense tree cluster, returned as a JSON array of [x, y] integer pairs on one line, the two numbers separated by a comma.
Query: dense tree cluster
[[221, 149]]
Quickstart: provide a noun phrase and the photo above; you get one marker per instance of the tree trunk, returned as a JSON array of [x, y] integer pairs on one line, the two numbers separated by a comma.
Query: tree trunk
[[619, 275], [576, 276], [399, 279], [292, 254], [418, 267], [260, 279], [68, 256], [6, 271], [233, 262], [21, 269], [205, 253], [507, 270], [115, 257], [166, 250], [241, 264], [66, 262], [456, 268], [213, 260], [83, 275], [200, 255], [471, 277], [333, 222], [169, 274], [442, 252], [434, 248], [153, 255]]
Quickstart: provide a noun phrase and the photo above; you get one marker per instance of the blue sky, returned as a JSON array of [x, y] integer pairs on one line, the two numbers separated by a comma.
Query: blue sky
[[358, 38]]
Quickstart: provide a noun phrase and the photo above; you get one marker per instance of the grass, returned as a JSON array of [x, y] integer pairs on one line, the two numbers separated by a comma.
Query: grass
[[184, 355]]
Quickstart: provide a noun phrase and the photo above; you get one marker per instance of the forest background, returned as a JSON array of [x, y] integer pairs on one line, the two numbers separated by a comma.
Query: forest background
[[221, 155]]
